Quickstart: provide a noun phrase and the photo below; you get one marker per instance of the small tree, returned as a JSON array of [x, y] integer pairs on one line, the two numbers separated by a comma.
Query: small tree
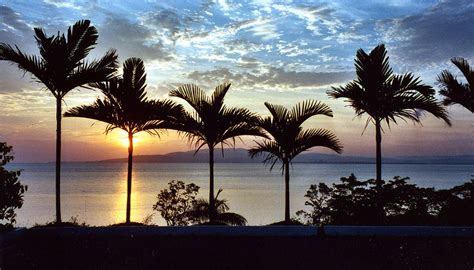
[[175, 203], [11, 190]]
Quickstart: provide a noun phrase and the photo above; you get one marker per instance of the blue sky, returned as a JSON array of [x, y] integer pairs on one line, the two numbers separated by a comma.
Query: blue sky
[[277, 51]]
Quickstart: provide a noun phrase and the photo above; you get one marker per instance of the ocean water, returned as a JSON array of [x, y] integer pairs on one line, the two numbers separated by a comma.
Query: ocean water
[[95, 193]]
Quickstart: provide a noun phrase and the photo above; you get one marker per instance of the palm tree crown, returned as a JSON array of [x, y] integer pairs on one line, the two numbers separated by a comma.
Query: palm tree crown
[[287, 138], [126, 107], [384, 96], [62, 64], [201, 210], [62, 67], [455, 91], [212, 123]]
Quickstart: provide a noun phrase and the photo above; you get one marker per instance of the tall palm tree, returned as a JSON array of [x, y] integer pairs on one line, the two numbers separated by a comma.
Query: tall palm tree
[[384, 96], [287, 138], [126, 107], [455, 91], [61, 67], [212, 123], [201, 210]]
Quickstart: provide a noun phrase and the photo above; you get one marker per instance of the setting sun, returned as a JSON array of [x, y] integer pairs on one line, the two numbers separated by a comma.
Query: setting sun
[[124, 141]]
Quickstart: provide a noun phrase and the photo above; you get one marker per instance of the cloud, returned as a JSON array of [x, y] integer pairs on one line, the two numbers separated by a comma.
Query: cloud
[[63, 4], [164, 20], [441, 32], [261, 27], [316, 17], [271, 77], [11, 21], [132, 39]]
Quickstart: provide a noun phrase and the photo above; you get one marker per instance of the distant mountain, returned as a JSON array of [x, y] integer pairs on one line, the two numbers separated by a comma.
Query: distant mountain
[[240, 155]]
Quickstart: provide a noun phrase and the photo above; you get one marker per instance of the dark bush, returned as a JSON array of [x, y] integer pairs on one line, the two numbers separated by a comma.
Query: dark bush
[[11, 190], [372, 202]]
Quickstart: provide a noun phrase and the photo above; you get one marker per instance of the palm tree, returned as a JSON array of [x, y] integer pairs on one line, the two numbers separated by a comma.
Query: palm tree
[[126, 107], [455, 91], [61, 67], [384, 96], [287, 138], [212, 123], [202, 209]]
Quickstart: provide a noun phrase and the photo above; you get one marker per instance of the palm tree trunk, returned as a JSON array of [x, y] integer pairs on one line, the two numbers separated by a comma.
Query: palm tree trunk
[[58, 159], [287, 190], [378, 140], [129, 176], [211, 185]]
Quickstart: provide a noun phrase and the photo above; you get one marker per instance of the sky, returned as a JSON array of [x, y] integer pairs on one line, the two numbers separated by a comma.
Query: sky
[[282, 52]]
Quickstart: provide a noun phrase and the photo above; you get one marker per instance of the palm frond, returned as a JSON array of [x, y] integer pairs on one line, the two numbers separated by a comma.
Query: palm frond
[[231, 219], [355, 96], [410, 105], [192, 94], [455, 91], [100, 111], [97, 71], [270, 150], [465, 68], [217, 99], [315, 137], [408, 83], [26, 63], [200, 212], [279, 112], [372, 69], [81, 39], [308, 108], [134, 78], [52, 49]]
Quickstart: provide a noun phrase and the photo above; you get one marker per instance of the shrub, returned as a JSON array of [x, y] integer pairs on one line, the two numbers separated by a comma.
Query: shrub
[[11, 190], [175, 202]]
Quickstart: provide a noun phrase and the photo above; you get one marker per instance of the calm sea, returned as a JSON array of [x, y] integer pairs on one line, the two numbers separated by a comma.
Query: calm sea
[[95, 193]]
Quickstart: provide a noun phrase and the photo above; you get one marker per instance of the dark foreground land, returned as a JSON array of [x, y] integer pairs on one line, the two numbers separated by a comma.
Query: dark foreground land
[[157, 248]]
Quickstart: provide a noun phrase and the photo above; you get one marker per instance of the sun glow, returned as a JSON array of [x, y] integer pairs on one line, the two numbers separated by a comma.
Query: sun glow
[[124, 141]]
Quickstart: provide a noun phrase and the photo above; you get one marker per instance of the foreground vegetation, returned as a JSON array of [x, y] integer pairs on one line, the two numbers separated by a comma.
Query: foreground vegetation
[[11, 189], [393, 202]]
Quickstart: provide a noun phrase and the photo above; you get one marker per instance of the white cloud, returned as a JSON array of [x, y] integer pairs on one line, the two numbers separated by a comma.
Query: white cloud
[[314, 16]]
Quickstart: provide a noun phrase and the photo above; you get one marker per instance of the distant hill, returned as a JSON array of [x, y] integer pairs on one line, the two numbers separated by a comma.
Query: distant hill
[[240, 155]]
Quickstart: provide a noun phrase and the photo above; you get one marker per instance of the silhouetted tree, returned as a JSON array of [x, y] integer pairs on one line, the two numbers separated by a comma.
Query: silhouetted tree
[[202, 211], [384, 96], [11, 190], [175, 203], [396, 202], [126, 107], [61, 67], [212, 123], [457, 205], [287, 138], [455, 91]]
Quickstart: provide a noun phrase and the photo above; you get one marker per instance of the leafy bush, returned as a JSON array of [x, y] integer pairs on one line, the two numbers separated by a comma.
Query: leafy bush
[[175, 203], [179, 207], [11, 190], [372, 202]]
